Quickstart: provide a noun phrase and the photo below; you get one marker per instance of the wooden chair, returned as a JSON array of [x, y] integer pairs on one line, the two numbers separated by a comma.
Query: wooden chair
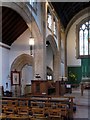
[[0, 106], [64, 110], [7, 107], [2, 114], [35, 104], [54, 113], [22, 102], [38, 113], [47, 105], [17, 117], [4, 103], [23, 110]]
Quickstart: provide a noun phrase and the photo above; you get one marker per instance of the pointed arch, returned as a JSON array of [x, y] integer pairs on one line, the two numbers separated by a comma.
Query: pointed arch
[[52, 42], [21, 61]]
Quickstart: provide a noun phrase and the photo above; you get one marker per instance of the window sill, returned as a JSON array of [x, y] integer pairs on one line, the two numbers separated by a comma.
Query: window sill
[[83, 56]]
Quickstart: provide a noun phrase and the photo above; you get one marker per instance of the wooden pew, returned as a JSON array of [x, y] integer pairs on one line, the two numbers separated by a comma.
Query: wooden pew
[[47, 102]]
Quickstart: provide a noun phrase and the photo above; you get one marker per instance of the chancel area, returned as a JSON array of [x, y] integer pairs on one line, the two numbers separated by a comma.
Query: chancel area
[[44, 60]]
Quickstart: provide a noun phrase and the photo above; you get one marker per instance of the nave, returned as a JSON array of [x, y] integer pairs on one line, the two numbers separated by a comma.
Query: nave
[[37, 75]]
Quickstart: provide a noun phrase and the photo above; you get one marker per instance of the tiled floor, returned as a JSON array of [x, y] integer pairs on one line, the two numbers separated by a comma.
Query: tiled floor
[[82, 104]]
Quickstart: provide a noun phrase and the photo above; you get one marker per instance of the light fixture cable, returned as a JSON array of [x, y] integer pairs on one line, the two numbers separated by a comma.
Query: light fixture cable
[[31, 40]]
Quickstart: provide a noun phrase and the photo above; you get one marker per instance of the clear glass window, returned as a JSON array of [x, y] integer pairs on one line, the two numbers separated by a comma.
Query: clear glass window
[[55, 26], [49, 19], [33, 3], [84, 39]]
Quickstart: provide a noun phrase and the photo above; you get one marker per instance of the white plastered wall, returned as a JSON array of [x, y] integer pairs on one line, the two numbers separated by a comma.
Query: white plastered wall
[[71, 44]]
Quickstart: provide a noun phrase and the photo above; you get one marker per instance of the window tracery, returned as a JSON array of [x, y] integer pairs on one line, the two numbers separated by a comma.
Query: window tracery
[[84, 38]]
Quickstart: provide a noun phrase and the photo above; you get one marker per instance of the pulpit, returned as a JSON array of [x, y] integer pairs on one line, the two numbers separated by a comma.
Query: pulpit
[[39, 87]]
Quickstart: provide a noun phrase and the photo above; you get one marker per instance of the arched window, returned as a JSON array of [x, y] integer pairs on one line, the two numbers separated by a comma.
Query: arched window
[[33, 3], [83, 44]]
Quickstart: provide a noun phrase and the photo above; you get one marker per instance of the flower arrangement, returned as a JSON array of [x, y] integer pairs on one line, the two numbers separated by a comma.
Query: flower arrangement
[[72, 78]]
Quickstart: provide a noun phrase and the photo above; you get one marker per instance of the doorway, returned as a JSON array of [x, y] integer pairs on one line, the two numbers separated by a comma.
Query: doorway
[[23, 64], [27, 76]]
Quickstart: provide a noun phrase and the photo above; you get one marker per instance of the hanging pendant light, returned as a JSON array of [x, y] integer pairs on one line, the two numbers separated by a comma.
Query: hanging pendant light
[[31, 39]]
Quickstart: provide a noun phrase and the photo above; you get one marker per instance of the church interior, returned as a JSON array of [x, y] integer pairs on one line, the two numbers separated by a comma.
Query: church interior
[[45, 60]]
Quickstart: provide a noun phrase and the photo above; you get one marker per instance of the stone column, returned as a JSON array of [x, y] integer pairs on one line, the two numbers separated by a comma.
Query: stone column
[[56, 66], [39, 54], [40, 46], [40, 59], [57, 55]]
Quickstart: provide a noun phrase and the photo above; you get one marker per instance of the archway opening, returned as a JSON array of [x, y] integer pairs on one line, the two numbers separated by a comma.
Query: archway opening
[[23, 64], [27, 76]]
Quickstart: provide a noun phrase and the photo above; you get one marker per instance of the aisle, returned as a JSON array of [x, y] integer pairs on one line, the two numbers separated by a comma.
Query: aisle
[[82, 104]]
